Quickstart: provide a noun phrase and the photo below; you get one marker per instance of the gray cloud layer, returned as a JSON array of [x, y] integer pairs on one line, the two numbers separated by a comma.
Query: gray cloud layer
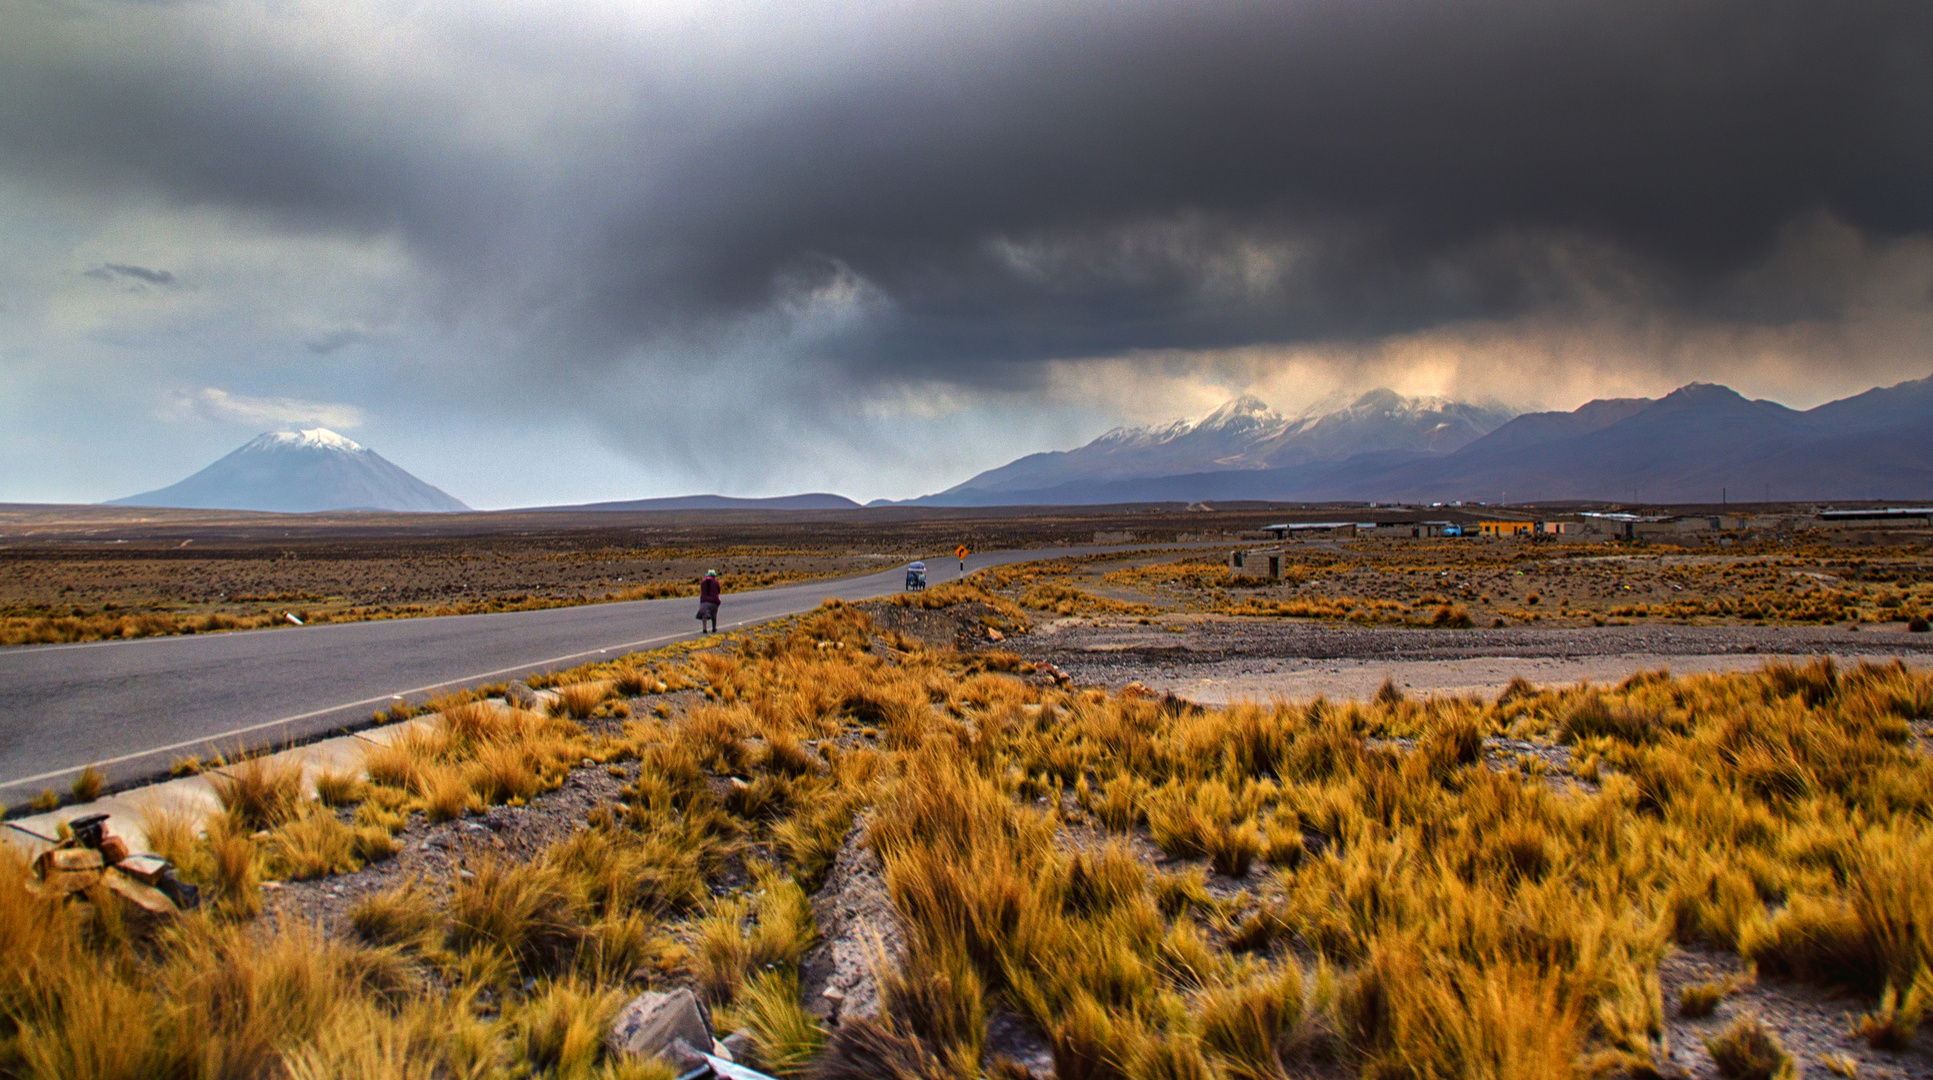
[[822, 201]]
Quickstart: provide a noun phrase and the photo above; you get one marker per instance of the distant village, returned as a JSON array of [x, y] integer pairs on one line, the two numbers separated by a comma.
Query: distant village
[[1891, 523]]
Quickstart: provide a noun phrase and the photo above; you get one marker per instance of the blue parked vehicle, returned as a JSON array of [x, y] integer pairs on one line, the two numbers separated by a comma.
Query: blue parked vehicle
[[916, 577]]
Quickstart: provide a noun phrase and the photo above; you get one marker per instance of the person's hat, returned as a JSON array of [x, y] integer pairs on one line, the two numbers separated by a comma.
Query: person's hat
[[711, 573]]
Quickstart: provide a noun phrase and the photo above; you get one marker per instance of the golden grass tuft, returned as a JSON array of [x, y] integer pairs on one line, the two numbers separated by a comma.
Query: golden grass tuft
[[403, 915], [87, 786], [1747, 1050], [1701, 999], [562, 1025], [579, 700], [531, 912], [1894, 1024], [259, 792], [789, 1039], [338, 788]]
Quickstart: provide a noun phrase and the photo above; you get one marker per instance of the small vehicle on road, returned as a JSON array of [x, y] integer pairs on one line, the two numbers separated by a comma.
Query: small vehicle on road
[[916, 577]]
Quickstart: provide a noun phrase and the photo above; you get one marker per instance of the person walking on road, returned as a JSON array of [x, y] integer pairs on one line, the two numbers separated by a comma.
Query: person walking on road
[[709, 593]]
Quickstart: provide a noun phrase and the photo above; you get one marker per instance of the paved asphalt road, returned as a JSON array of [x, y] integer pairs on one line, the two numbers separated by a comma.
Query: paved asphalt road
[[134, 707]]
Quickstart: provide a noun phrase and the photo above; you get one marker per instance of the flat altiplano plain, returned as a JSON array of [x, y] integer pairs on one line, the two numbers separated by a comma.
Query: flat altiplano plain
[[103, 573], [1464, 616]]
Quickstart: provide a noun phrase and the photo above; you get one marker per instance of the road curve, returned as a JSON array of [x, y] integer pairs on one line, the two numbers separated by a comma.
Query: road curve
[[133, 707]]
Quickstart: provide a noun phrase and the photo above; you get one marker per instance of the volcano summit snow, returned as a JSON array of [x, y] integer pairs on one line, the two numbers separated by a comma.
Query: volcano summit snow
[[1244, 435], [300, 472]]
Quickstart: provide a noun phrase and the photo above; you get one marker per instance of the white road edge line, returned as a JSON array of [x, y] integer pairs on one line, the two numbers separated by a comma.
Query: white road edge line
[[337, 708]]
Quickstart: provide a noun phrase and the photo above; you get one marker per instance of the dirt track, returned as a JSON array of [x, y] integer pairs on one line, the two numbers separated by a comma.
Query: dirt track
[[1214, 660]]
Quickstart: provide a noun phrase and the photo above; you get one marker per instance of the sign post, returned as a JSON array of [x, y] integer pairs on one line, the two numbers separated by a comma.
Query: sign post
[[961, 551]]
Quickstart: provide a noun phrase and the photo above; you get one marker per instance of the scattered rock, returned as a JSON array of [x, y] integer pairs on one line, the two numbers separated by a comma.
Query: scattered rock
[[523, 697], [69, 870], [740, 1049], [1050, 675], [1137, 689], [652, 1022], [857, 927], [684, 1059]]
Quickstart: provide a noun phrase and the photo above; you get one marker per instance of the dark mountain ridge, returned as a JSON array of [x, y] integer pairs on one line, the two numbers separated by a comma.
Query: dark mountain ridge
[[1700, 443]]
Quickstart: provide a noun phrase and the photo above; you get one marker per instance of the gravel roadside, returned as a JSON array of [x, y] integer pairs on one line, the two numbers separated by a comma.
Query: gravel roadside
[[1215, 660]]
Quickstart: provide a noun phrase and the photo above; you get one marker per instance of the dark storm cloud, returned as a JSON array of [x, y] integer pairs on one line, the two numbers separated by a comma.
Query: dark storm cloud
[[1416, 162], [1032, 183]]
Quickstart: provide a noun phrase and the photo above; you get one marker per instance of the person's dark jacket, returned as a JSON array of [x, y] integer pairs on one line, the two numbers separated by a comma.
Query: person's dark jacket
[[709, 591]]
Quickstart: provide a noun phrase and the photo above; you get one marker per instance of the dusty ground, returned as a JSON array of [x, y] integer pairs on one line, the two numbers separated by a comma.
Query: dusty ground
[[1501, 583], [1813, 1025], [1217, 659], [435, 854]]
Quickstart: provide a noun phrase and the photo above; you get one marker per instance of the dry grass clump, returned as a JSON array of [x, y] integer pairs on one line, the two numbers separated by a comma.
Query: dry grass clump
[[259, 792], [338, 788], [403, 915], [1701, 999], [206, 1000], [1404, 908], [970, 591], [529, 912], [579, 700], [1893, 1025], [87, 786], [476, 754], [1062, 599], [1747, 1050]]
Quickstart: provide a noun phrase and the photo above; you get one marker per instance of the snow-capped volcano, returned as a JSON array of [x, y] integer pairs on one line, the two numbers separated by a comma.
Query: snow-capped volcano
[[319, 437], [1245, 433], [300, 472]]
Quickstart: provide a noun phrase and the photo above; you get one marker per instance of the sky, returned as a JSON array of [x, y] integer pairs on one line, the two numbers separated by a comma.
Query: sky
[[570, 250]]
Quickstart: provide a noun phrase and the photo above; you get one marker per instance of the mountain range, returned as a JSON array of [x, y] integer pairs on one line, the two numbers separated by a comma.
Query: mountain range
[[817, 500], [1242, 435], [300, 472], [1700, 443]]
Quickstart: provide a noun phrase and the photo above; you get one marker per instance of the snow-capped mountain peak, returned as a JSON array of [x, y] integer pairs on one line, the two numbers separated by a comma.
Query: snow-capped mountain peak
[[319, 438], [1246, 410], [1245, 433], [301, 472]]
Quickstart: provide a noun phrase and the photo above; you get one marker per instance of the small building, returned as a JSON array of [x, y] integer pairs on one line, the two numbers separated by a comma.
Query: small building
[[1622, 526], [1257, 562], [1911, 517], [1523, 528], [1417, 530], [1298, 529]]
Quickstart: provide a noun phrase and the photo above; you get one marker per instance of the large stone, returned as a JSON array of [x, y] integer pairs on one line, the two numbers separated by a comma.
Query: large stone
[[652, 1021], [523, 697], [69, 869]]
